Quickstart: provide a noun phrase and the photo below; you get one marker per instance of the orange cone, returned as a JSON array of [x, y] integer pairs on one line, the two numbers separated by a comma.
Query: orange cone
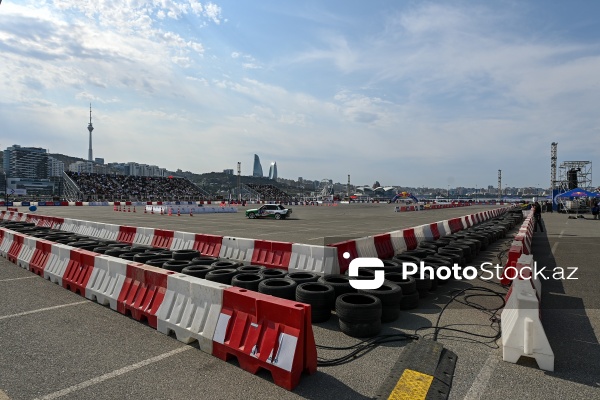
[[178, 212], [170, 211], [129, 209], [145, 211], [133, 208]]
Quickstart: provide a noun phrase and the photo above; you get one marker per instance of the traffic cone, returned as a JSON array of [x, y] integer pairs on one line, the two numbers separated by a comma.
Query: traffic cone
[[170, 212], [161, 211], [133, 208], [178, 212], [129, 209], [114, 208]]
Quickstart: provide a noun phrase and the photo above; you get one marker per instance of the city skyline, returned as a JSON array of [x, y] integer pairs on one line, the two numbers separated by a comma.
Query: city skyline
[[437, 93]]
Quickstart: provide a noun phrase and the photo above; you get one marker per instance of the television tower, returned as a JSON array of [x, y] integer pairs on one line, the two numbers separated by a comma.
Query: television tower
[[90, 129]]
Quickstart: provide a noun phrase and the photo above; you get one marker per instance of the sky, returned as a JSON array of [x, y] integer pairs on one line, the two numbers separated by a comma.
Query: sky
[[411, 93]]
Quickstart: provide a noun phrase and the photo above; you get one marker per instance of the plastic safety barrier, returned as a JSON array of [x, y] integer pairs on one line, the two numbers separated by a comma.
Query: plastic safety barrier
[[40, 257], [57, 264], [522, 330], [435, 230], [190, 309], [321, 260], [162, 238], [410, 238], [26, 252], [239, 249], [78, 272], [272, 254], [106, 281], [7, 239], [208, 245], [142, 292], [348, 246], [143, 236], [127, 234], [266, 332], [15, 247]]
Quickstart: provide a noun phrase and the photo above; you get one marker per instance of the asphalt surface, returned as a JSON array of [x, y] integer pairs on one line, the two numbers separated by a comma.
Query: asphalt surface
[[56, 344]]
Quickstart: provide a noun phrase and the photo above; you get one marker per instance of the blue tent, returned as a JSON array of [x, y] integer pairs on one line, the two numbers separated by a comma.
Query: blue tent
[[578, 192]]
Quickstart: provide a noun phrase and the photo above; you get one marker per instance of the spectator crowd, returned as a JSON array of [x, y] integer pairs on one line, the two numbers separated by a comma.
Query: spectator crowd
[[101, 187], [269, 192]]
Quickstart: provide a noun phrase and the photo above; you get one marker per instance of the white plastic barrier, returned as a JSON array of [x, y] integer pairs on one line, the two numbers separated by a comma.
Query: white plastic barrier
[[447, 229], [26, 252], [191, 309], [183, 241], [144, 236], [239, 249], [106, 280], [68, 225], [57, 263], [320, 260], [398, 241], [365, 247], [423, 232], [110, 232], [6, 242], [522, 331]]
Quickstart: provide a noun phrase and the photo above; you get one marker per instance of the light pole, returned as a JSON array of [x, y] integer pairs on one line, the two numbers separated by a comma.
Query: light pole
[[239, 171]]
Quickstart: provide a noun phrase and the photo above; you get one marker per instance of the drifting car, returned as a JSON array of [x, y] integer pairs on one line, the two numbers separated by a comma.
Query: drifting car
[[276, 211]]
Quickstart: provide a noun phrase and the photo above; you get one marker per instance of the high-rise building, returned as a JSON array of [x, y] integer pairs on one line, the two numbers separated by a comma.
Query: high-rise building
[[26, 162], [257, 169], [273, 171], [55, 167]]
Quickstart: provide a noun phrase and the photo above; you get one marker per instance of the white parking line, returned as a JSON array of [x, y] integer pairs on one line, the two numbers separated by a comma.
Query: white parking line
[[561, 233], [113, 374], [18, 279], [42, 310], [3, 396], [482, 379], [553, 249]]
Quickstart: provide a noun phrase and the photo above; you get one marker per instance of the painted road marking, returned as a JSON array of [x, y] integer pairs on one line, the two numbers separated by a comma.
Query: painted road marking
[[113, 374], [17, 279], [43, 309], [482, 379]]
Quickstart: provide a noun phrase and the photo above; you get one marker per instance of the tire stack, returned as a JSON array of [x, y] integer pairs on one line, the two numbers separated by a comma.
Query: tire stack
[[359, 314], [390, 296], [320, 297]]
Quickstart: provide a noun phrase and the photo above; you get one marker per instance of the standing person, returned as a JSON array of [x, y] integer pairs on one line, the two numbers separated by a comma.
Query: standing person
[[549, 206], [537, 216], [595, 210]]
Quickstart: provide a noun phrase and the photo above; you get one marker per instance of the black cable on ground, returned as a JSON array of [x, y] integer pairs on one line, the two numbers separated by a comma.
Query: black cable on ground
[[361, 348]]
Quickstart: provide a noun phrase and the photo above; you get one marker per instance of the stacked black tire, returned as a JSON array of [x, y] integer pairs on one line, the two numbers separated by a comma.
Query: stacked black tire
[[359, 314]]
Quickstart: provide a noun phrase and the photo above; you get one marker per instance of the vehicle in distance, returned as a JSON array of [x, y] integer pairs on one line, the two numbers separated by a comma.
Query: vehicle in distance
[[276, 211]]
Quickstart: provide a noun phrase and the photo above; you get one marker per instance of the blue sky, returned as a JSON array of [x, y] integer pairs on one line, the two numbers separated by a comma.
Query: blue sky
[[408, 93]]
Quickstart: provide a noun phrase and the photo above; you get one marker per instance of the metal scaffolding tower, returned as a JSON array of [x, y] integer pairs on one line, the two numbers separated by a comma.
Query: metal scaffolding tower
[[572, 174], [553, 158], [499, 184]]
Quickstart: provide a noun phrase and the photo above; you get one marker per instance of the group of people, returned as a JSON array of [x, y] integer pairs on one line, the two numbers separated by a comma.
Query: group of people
[[269, 192], [105, 187]]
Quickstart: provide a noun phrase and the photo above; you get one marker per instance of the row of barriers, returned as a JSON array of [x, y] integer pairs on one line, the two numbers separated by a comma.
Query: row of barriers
[[386, 245], [262, 331], [522, 330], [293, 257]]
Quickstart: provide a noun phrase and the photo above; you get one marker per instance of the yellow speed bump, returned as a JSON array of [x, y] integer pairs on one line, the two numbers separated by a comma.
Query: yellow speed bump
[[412, 385]]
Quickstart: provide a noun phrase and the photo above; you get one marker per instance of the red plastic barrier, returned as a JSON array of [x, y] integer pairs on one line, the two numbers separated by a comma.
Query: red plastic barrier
[[43, 249], [78, 203], [343, 247], [126, 234], [515, 251], [162, 238], [208, 245], [272, 254], [384, 246], [455, 224], [266, 332], [159, 203], [435, 231], [79, 270], [410, 239], [127, 203], [143, 292], [15, 248]]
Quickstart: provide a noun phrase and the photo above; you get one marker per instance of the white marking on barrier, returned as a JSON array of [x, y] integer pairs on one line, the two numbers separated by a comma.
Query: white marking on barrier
[[42, 310], [18, 279], [113, 374], [346, 255]]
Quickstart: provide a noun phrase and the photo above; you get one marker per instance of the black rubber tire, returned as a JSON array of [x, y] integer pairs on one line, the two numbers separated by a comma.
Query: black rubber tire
[[390, 295], [340, 283], [145, 257], [166, 253], [278, 216], [199, 271], [279, 287], [126, 256], [83, 243], [223, 275], [406, 258], [115, 251], [410, 301], [226, 264], [358, 308], [454, 254], [303, 277], [101, 250], [317, 294], [187, 254], [273, 273], [119, 245], [423, 284], [362, 330], [408, 285], [247, 280], [418, 252], [138, 249], [251, 269], [320, 297], [158, 262], [176, 265], [204, 260]]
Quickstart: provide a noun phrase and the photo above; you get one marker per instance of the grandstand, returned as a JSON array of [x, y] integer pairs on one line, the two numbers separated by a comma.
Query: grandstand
[[269, 192], [104, 187]]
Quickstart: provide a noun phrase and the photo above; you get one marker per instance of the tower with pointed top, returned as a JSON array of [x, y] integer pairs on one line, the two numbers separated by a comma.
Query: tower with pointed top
[[90, 129]]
